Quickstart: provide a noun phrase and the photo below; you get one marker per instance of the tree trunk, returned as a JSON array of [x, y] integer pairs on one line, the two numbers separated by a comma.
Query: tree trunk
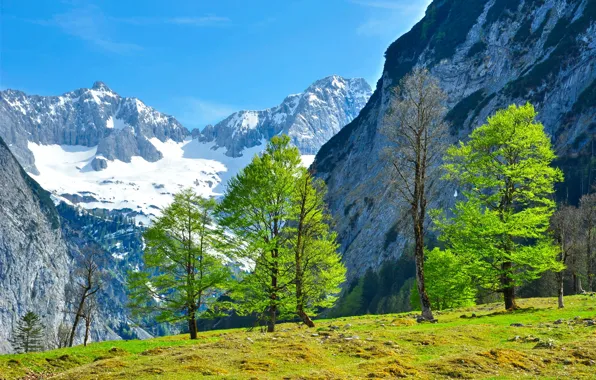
[[272, 317], [508, 287], [589, 259], [419, 261], [305, 318], [577, 284], [76, 322], [87, 329], [192, 323], [560, 280]]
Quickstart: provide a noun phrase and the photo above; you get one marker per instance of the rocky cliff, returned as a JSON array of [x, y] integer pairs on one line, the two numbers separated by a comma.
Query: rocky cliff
[[34, 261], [486, 55], [120, 127], [309, 118]]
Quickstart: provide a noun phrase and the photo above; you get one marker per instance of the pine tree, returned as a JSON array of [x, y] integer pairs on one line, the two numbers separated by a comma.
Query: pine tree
[[28, 334]]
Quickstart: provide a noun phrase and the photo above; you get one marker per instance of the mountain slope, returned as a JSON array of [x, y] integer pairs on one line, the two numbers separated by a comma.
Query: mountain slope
[[472, 343], [104, 151], [118, 126], [34, 261], [309, 118], [486, 55]]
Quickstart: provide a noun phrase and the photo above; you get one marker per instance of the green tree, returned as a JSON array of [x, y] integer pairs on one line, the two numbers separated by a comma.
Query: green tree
[[500, 230], [257, 208], [184, 263], [318, 270], [449, 284], [28, 335]]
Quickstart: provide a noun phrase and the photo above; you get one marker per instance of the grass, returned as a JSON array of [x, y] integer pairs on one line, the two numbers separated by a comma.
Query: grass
[[476, 342]]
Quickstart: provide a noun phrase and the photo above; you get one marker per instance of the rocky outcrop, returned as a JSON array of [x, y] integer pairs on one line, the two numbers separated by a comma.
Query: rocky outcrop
[[34, 261], [309, 118], [486, 55], [119, 126]]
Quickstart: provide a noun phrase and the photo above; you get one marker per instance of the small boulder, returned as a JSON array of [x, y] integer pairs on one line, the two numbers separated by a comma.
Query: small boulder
[[99, 164]]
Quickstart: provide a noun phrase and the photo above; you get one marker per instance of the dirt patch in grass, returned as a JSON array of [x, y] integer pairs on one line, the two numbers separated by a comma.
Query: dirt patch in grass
[[511, 358], [257, 365], [296, 352], [391, 369], [205, 370], [156, 351], [110, 363]]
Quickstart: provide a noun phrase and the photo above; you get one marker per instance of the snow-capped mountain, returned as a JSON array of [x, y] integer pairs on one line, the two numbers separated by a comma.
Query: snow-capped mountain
[[96, 117], [101, 150], [310, 118]]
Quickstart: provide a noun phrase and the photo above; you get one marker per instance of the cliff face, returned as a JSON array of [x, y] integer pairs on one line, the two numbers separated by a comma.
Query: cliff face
[[119, 126], [34, 261], [310, 118], [486, 55]]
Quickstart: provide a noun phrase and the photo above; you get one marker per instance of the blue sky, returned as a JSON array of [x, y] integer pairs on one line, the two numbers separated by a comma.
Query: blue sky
[[197, 60]]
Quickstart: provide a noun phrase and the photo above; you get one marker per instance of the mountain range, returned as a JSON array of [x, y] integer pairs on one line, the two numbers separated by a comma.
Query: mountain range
[[100, 150], [95, 150]]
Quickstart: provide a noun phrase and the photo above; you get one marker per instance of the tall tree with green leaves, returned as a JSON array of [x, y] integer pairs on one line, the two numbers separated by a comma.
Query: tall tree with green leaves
[[184, 263], [28, 335], [505, 174], [449, 284], [415, 128], [318, 270], [257, 208]]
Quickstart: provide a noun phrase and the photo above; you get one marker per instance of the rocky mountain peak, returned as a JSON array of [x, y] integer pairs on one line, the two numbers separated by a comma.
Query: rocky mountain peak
[[101, 86], [310, 118]]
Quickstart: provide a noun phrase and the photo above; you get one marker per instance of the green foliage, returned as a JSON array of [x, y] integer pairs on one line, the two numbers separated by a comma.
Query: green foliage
[[448, 283], [382, 292], [499, 231], [276, 211], [318, 271], [183, 268], [28, 336]]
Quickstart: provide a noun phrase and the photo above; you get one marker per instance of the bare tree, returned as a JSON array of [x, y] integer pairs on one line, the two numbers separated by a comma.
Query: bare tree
[[415, 127], [588, 213], [88, 282], [565, 227], [87, 315], [61, 336]]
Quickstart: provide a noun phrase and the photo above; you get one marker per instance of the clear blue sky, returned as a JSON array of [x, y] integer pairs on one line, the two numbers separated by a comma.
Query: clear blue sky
[[198, 60]]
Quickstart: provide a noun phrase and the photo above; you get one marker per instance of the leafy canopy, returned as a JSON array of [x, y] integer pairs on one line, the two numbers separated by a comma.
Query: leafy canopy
[[505, 176], [184, 261]]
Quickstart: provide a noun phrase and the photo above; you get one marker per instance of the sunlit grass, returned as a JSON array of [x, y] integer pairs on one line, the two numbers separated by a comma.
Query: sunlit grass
[[382, 346]]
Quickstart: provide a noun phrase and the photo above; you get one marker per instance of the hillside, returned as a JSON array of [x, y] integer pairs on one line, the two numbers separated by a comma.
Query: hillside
[[486, 56], [479, 342]]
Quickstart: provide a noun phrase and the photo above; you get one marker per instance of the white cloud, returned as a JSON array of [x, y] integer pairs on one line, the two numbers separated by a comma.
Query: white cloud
[[91, 24], [197, 113]]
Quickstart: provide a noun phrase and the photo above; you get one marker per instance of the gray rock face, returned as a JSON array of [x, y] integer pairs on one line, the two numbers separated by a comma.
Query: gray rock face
[[34, 261], [98, 116], [99, 164], [310, 118], [487, 55]]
